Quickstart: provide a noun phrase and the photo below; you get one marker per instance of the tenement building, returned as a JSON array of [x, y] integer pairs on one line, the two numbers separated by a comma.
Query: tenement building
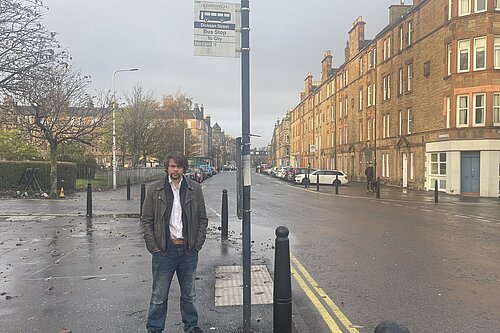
[[280, 142], [421, 100]]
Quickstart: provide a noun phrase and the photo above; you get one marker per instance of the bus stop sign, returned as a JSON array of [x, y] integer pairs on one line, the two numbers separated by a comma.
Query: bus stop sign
[[216, 29]]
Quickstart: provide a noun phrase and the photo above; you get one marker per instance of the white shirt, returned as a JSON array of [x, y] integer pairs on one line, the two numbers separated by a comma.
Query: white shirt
[[175, 223]]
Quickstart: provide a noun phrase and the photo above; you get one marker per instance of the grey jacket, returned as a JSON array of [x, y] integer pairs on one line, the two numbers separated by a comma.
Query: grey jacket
[[157, 208]]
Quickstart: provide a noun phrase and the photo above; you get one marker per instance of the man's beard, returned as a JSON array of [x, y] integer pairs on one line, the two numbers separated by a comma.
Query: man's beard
[[175, 175]]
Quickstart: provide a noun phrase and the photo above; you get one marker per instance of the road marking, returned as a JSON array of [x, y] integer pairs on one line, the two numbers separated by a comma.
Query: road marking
[[322, 311], [321, 296]]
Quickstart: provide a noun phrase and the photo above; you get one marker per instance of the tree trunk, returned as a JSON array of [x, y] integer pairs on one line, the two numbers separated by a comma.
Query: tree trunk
[[53, 170]]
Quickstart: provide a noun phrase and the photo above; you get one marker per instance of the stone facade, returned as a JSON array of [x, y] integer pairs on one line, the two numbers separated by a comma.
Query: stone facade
[[280, 145], [421, 100]]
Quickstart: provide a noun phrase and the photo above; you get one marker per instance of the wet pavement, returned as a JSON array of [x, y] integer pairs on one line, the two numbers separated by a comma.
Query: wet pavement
[[62, 272]]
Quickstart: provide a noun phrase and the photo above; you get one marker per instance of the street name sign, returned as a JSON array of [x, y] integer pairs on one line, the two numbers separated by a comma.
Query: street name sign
[[216, 29]]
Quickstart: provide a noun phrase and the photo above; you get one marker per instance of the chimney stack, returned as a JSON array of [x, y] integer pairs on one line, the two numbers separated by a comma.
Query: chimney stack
[[309, 83], [356, 38], [396, 12], [326, 65]]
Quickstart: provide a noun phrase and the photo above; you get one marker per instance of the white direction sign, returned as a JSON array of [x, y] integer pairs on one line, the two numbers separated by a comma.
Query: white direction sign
[[215, 29]]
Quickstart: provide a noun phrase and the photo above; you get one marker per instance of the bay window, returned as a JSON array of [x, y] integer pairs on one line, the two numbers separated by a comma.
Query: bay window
[[463, 7], [449, 59], [496, 52], [496, 109], [463, 55], [479, 53], [479, 109], [462, 110], [448, 112], [479, 6]]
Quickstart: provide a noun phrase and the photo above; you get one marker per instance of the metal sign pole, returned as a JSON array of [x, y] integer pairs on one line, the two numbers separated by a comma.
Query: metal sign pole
[[245, 135]]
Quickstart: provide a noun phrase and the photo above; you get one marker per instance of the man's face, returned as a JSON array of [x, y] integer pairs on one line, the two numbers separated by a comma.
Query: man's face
[[174, 171]]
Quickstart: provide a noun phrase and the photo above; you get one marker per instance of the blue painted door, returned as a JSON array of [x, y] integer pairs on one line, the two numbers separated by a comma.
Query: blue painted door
[[470, 172]]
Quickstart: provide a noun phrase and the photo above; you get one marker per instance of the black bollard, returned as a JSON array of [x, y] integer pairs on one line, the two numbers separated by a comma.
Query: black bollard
[[377, 188], [317, 181], [282, 304], [143, 196], [128, 188], [224, 215], [89, 200], [389, 326], [436, 191]]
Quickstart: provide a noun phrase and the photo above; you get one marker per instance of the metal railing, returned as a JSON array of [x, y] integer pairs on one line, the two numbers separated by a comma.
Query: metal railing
[[103, 178]]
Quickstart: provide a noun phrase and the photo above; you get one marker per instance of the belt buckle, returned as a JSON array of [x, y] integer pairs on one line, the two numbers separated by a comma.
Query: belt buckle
[[178, 241]]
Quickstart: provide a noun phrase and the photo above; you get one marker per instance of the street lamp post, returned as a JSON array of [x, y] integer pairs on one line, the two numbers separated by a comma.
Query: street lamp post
[[114, 164]]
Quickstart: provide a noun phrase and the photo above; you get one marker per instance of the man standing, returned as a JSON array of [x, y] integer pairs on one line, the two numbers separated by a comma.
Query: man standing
[[369, 177], [174, 223]]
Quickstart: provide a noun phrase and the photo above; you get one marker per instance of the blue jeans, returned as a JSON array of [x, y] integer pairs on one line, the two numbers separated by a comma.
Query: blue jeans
[[175, 260]]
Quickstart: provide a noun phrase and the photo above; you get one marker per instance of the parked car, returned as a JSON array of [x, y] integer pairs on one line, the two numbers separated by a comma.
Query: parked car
[[280, 171], [197, 174], [296, 171], [207, 168], [325, 177], [267, 171], [189, 173], [286, 172]]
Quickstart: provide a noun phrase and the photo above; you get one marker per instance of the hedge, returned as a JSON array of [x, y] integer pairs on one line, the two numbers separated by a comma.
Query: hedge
[[12, 171]]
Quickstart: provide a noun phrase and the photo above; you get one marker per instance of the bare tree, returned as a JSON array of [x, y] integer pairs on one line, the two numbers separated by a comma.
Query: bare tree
[[148, 131], [25, 44], [57, 109], [140, 125]]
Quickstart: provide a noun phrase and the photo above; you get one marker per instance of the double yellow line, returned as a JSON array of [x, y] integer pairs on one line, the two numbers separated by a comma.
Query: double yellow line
[[318, 297]]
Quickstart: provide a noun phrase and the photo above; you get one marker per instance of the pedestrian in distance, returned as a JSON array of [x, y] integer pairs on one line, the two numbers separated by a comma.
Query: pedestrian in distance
[[308, 175], [369, 177], [174, 224]]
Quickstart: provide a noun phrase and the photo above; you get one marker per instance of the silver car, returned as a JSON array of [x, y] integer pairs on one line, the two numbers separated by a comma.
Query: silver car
[[329, 177]]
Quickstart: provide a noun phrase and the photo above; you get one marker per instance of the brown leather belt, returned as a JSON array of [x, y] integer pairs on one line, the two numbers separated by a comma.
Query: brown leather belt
[[178, 241]]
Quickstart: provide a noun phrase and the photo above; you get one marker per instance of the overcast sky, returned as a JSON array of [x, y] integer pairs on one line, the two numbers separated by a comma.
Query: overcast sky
[[287, 40]]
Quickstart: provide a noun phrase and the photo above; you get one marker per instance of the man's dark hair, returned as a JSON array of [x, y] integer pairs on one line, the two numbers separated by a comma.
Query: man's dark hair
[[178, 159]]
